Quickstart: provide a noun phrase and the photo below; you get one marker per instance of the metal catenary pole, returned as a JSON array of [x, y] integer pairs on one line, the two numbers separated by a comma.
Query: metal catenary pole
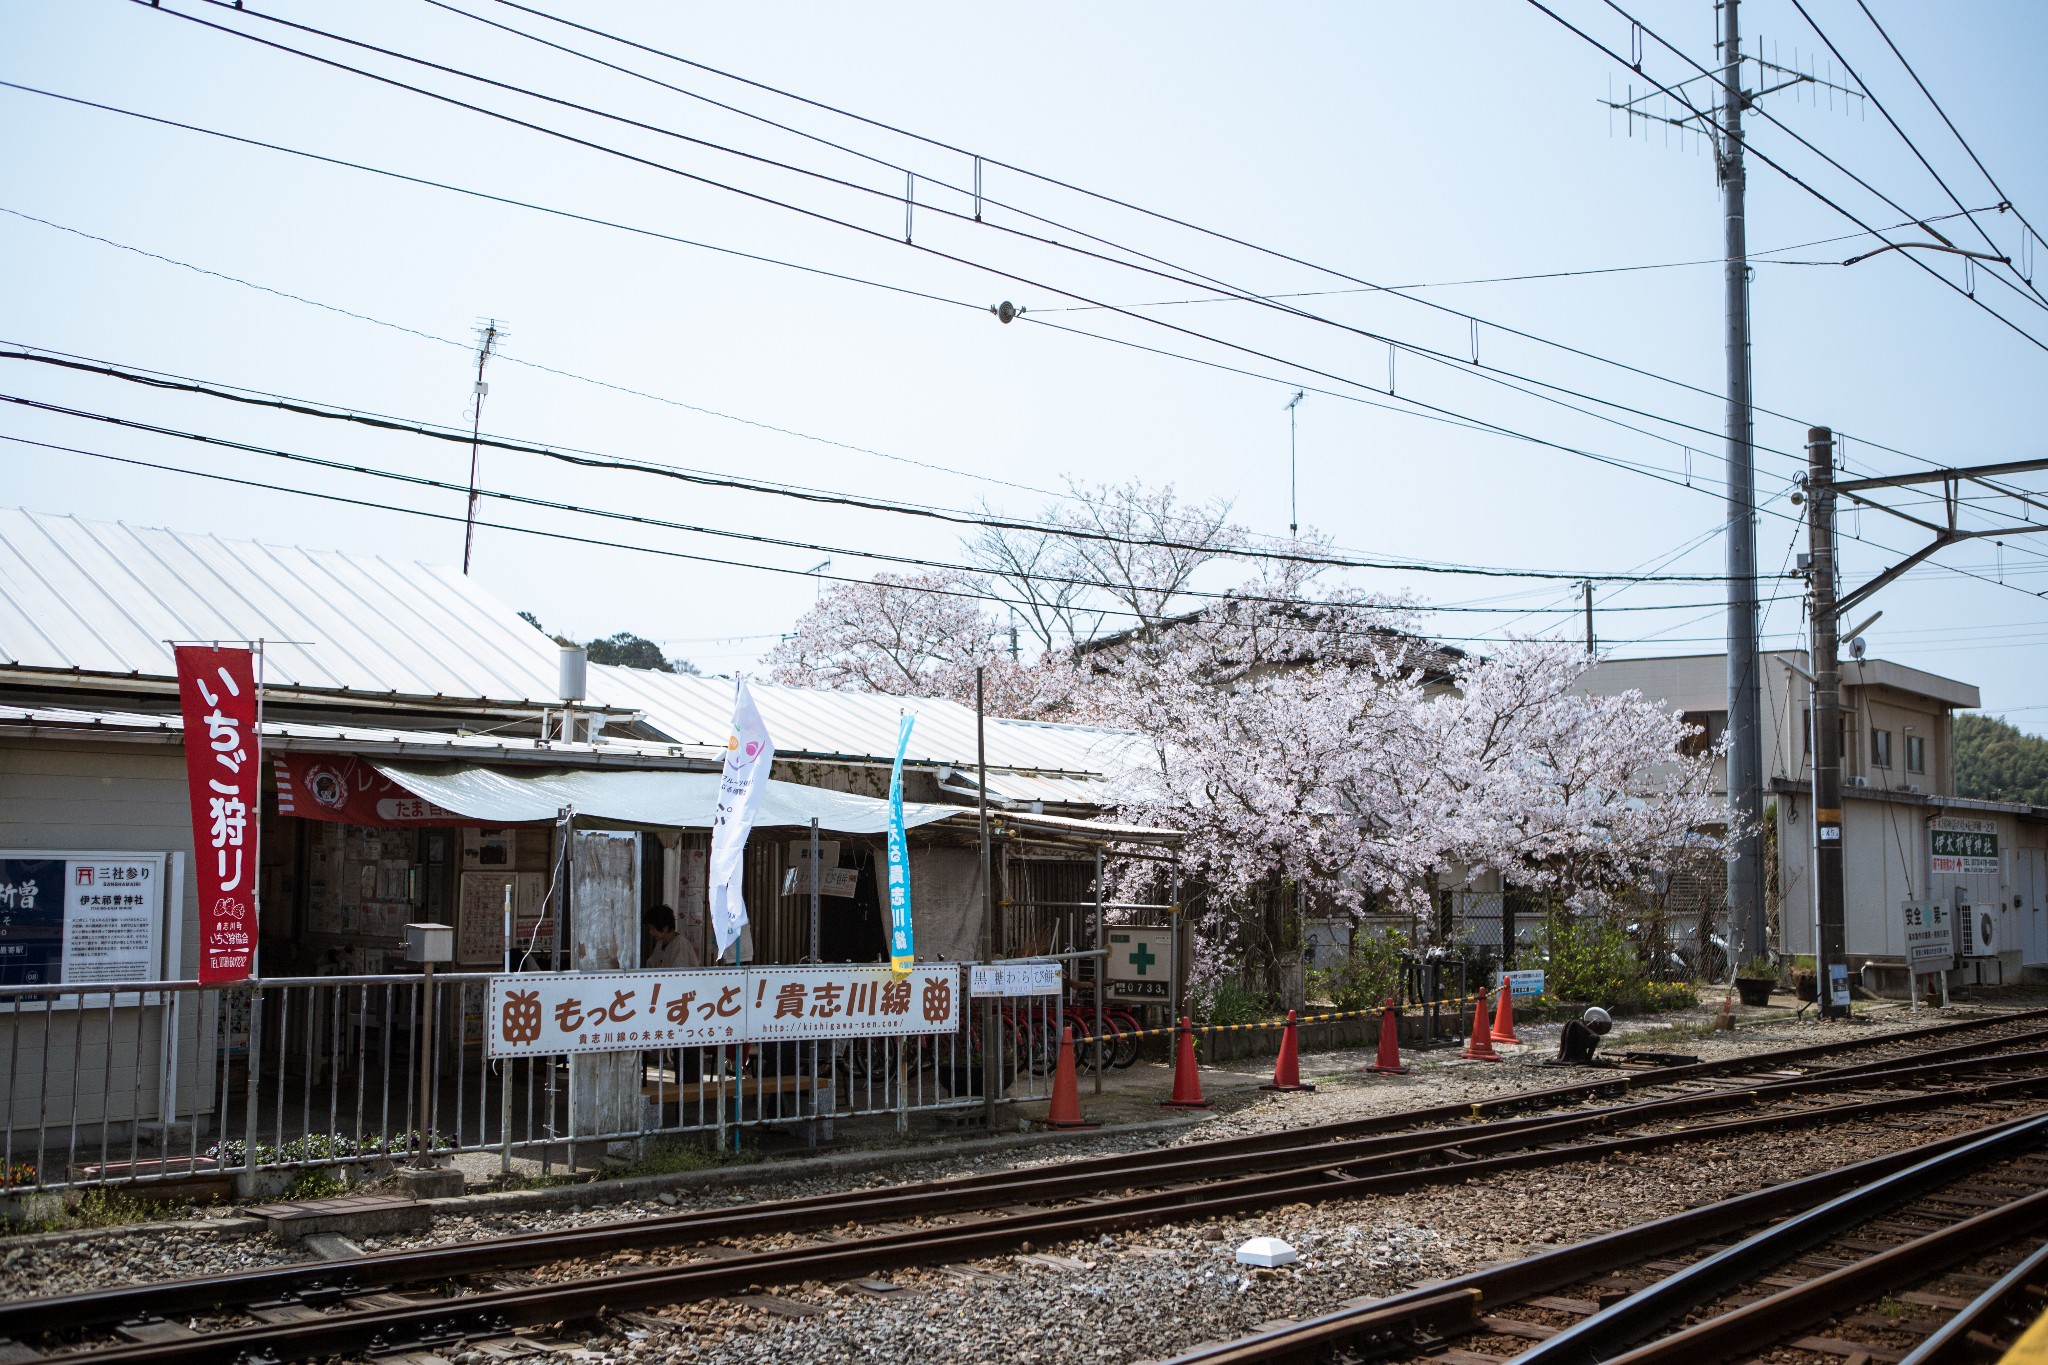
[[1745, 750], [1827, 711]]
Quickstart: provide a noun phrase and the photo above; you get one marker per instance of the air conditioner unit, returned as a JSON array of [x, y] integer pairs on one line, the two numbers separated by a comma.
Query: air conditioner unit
[[1859, 781], [1979, 925]]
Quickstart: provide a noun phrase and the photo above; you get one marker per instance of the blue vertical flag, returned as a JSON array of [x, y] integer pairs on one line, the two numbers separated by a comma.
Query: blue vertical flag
[[902, 941]]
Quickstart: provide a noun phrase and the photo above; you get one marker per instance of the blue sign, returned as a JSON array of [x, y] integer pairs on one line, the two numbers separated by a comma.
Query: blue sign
[[31, 921]]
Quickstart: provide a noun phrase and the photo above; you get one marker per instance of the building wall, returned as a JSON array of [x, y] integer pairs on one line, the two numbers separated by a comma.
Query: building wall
[[104, 1065]]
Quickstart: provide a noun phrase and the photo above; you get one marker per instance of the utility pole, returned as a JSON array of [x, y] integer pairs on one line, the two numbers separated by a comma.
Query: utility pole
[[487, 341], [1587, 586], [1293, 512], [1827, 712], [1745, 700]]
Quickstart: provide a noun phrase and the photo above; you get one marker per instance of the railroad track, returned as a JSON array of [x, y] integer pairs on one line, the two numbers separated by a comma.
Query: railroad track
[[325, 1309], [1932, 1256]]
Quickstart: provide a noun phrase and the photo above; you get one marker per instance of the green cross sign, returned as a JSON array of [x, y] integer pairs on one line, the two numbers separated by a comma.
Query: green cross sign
[[1142, 957]]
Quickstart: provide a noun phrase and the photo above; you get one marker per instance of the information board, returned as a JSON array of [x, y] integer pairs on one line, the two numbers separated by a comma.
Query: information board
[[80, 918], [1521, 984], [1930, 937], [549, 1014], [480, 914]]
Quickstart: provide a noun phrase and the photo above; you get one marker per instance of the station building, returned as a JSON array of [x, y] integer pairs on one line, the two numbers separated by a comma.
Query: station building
[[422, 764]]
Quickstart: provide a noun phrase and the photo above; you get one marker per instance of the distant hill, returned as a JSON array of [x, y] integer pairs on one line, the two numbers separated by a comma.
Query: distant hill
[[1995, 762]]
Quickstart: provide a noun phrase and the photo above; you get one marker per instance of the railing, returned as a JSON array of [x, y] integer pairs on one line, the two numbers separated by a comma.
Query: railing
[[170, 1081]]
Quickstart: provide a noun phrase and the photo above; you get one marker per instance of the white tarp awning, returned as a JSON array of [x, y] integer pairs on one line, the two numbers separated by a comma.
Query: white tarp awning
[[648, 800]]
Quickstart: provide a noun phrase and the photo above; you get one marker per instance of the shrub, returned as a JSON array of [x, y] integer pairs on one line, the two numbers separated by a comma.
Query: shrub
[[1368, 975], [1231, 1001]]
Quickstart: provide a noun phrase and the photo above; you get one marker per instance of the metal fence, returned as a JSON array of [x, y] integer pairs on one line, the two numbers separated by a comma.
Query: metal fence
[[167, 1081]]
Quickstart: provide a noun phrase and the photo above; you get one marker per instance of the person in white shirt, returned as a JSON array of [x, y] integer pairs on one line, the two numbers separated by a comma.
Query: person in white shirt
[[664, 945]]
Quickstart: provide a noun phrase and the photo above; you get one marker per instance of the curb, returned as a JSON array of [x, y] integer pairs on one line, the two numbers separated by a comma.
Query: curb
[[593, 1192]]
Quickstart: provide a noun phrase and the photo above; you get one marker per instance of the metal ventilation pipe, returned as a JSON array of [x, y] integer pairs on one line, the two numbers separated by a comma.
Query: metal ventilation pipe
[[575, 671]]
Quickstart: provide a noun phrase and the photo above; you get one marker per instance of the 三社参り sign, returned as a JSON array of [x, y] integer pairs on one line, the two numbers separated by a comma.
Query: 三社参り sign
[[80, 918], [536, 1015]]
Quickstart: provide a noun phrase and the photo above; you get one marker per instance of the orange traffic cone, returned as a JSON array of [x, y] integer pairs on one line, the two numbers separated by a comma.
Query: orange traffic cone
[[1480, 1049], [1504, 1014], [1065, 1110], [1187, 1086], [1287, 1070], [1388, 1063]]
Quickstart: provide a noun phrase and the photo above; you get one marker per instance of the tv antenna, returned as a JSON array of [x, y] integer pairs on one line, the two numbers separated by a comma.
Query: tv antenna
[[1293, 514]]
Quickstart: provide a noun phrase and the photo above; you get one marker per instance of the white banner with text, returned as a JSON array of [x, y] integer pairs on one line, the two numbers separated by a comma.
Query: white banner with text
[[548, 1014]]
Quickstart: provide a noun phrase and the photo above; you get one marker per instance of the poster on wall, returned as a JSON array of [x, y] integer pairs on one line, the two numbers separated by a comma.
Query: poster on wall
[[80, 918], [480, 915]]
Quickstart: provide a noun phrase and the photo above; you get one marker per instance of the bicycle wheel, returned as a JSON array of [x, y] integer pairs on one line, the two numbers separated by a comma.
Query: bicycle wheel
[[1127, 1042]]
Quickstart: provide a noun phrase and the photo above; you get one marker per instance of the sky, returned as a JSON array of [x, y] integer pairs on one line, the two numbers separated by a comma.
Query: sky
[[713, 282]]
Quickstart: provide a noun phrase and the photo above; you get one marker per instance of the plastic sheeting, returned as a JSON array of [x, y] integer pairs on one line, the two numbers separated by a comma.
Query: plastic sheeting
[[639, 799]]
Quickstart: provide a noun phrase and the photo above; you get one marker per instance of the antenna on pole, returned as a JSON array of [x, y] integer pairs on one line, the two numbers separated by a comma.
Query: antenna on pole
[[1293, 514], [817, 571], [487, 342]]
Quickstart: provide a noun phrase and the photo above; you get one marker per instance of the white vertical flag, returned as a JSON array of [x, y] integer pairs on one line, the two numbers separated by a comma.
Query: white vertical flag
[[749, 754]]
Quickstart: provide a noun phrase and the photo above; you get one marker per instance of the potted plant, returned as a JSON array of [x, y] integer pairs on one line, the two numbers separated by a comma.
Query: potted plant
[[1756, 980]]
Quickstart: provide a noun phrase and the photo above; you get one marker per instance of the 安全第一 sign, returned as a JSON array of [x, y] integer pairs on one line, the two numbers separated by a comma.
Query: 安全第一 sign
[[1016, 978], [1962, 846], [80, 918], [548, 1014], [1930, 937]]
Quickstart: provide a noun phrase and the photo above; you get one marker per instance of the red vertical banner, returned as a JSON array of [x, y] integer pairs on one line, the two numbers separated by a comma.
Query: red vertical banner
[[223, 765]]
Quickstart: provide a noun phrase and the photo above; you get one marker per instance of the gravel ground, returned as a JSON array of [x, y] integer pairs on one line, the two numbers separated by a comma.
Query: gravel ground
[[1145, 1295]]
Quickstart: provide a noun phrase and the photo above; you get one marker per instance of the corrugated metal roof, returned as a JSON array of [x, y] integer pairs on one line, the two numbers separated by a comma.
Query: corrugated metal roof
[[823, 723], [105, 598], [305, 735]]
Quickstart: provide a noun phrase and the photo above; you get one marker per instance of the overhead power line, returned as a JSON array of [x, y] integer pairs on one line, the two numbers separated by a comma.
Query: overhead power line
[[1393, 610], [1751, 149], [735, 483]]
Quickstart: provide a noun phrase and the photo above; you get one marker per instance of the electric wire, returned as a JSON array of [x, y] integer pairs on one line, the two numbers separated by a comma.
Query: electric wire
[[1392, 609], [1913, 147], [1455, 363], [568, 455], [1752, 149], [1155, 215]]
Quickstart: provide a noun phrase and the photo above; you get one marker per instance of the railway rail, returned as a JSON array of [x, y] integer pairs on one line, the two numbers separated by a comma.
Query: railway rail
[[1981, 1066], [1932, 1256]]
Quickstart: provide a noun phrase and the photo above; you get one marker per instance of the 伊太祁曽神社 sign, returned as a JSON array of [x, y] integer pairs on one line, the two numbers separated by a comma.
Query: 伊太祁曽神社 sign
[[1960, 846], [539, 1015], [217, 696]]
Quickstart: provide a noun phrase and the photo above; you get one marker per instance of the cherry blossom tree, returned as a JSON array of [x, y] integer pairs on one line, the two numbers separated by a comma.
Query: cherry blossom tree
[[913, 636]]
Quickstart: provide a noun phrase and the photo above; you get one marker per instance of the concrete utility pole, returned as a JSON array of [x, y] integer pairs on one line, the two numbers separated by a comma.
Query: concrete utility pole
[[1827, 713], [1587, 586], [1745, 702]]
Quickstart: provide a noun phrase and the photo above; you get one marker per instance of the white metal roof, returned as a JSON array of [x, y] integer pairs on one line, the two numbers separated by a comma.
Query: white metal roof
[[823, 723], [100, 597], [102, 600]]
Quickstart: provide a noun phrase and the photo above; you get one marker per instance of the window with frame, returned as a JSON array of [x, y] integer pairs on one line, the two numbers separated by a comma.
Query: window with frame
[[1880, 748], [1708, 727], [1916, 753]]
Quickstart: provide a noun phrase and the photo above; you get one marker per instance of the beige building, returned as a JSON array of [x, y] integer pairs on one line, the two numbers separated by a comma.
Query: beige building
[[1907, 836]]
